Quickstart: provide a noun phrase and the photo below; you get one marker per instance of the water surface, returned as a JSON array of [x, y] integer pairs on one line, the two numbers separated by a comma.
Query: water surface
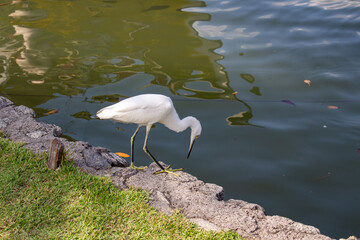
[[269, 137]]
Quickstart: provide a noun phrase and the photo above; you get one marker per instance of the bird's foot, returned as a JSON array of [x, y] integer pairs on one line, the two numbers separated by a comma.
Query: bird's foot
[[132, 165], [168, 170]]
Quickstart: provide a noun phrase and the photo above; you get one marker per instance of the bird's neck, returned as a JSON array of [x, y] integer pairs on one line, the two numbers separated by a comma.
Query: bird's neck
[[176, 124]]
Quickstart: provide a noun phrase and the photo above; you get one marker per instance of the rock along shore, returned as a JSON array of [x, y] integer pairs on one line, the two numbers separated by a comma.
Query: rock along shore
[[203, 203]]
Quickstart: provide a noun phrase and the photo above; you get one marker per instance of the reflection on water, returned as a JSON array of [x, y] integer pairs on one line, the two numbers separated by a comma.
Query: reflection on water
[[222, 31], [325, 4], [85, 45], [30, 59]]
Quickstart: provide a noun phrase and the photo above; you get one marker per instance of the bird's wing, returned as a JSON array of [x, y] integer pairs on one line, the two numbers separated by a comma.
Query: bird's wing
[[132, 104], [140, 110]]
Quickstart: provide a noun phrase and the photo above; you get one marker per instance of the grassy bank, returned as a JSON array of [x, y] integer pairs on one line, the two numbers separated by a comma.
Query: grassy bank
[[37, 203]]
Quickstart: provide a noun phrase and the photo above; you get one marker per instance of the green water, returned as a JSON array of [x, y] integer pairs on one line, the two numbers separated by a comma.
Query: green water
[[238, 66]]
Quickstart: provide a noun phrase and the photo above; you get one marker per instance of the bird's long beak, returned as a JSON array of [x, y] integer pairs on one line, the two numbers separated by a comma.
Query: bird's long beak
[[191, 147]]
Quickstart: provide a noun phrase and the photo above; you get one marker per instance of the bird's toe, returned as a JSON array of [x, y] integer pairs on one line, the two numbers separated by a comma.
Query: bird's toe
[[132, 165], [169, 170]]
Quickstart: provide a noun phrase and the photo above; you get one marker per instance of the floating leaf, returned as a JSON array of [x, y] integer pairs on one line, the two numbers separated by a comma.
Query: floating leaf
[[333, 107], [122, 154], [308, 82], [234, 93], [288, 102], [53, 111]]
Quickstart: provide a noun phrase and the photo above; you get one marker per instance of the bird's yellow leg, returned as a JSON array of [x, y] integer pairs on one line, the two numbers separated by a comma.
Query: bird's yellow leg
[[132, 165], [168, 170], [146, 150]]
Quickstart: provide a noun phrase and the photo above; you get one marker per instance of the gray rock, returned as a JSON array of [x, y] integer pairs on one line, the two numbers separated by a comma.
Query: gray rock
[[25, 111], [160, 202], [94, 160], [277, 227], [36, 134], [102, 159], [4, 102], [18, 124], [119, 178], [3, 124], [349, 238], [115, 160], [205, 224]]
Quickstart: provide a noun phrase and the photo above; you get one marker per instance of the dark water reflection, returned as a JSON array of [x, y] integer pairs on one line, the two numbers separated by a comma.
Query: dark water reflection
[[68, 47], [239, 67]]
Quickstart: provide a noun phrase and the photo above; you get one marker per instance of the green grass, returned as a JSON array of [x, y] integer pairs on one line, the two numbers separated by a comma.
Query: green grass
[[37, 203]]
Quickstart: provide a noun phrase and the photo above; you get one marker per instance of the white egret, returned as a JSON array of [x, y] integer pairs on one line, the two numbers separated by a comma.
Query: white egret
[[145, 110]]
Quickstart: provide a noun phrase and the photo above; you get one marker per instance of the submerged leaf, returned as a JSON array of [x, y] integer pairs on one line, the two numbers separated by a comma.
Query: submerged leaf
[[65, 76], [53, 111], [256, 90], [322, 177], [120, 129], [156, 7], [83, 114], [238, 119], [107, 98], [248, 77]]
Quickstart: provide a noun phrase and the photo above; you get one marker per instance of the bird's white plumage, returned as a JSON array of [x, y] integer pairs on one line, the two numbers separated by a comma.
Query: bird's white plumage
[[147, 109], [142, 109]]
